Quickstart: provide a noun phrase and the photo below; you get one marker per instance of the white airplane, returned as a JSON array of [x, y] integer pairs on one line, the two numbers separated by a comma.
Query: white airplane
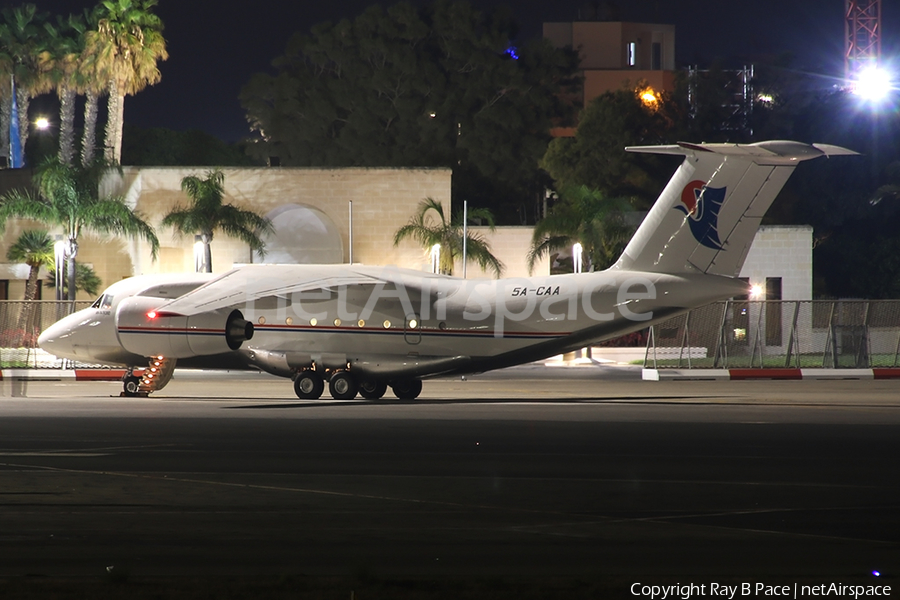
[[361, 329]]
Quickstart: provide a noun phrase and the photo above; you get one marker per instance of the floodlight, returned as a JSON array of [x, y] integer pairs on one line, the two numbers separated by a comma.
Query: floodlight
[[872, 83]]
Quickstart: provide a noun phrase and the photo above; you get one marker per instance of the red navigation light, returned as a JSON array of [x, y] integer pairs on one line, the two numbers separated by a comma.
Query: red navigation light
[[151, 315]]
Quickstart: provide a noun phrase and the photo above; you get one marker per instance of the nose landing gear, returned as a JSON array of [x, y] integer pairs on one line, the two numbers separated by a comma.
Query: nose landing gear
[[155, 377]]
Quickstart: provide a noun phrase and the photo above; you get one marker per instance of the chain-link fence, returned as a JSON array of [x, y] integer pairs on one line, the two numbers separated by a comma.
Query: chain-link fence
[[799, 334], [20, 325]]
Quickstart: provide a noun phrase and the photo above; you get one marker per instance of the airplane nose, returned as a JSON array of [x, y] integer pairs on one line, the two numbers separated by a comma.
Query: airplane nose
[[53, 340], [61, 338]]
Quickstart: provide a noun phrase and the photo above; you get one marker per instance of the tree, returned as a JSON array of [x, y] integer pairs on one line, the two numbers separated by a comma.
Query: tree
[[65, 69], [86, 280], [436, 86], [67, 196], [34, 248], [595, 157], [95, 80], [159, 147], [23, 55], [589, 217], [127, 45], [426, 231], [208, 214]]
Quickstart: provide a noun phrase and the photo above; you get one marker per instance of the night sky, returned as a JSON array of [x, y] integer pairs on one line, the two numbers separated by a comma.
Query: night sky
[[216, 45]]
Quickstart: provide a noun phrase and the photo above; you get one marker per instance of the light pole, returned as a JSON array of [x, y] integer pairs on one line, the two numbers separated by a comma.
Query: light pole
[[436, 258], [576, 257], [59, 254]]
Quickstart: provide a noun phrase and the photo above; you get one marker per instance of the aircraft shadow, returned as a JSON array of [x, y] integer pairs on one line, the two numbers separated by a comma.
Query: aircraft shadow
[[451, 401]]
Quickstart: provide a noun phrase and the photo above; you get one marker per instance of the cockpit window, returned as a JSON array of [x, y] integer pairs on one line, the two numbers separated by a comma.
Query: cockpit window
[[103, 302]]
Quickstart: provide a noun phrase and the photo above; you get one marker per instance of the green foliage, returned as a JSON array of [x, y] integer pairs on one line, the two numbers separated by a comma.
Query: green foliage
[[414, 87], [165, 147], [589, 217], [86, 280], [594, 158], [67, 196], [207, 213], [34, 248], [430, 226]]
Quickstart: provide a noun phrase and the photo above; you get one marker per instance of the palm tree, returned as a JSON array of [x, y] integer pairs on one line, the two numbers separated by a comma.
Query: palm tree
[[428, 232], [24, 54], [94, 80], [34, 248], [67, 196], [127, 45], [208, 214], [86, 280], [65, 69], [587, 217]]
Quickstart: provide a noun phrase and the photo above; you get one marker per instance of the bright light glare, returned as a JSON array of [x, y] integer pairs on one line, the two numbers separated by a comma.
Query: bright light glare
[[649, 98], [872, 84], [42, 123], [756, 290]]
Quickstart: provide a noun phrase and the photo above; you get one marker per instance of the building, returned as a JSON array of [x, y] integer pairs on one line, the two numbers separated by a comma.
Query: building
[[617, 54], [309, 208]]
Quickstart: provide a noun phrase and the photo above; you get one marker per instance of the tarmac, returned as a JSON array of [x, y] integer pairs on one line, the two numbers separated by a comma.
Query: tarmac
[[524, 483]]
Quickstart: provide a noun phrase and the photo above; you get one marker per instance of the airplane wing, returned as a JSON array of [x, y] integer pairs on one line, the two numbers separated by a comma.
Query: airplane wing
[[250, 283]]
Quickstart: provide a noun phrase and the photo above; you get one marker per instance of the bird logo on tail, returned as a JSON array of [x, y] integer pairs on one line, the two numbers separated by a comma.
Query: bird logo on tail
[[702, 204]]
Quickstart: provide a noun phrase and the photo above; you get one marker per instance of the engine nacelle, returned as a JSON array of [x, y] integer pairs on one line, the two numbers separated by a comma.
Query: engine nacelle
[[145, 331]]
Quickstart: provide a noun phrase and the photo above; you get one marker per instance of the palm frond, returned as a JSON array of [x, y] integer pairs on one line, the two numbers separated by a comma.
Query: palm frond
[[114, 216], [22, 204]]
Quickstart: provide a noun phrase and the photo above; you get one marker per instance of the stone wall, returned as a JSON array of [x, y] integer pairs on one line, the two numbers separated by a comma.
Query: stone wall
[[383, 200]]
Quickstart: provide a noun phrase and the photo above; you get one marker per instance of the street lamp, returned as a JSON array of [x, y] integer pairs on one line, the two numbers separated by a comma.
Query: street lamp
[[59, 254], [199, 254], [42, 123], [576, 257], [436, 258]]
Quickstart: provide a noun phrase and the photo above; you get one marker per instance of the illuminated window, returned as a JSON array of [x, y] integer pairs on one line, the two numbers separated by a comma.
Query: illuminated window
[[631, 54]]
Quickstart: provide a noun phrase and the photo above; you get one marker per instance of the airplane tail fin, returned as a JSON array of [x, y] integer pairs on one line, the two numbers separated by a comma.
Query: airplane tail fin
[[707, 216]]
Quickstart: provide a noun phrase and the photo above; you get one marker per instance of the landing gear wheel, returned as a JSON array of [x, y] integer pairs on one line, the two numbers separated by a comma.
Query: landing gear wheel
[[342, 386], [372, 390], [407, 389], [308, 385], [132, 385]]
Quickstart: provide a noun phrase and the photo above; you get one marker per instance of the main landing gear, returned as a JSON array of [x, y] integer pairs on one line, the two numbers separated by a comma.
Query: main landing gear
[[342, 385]]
